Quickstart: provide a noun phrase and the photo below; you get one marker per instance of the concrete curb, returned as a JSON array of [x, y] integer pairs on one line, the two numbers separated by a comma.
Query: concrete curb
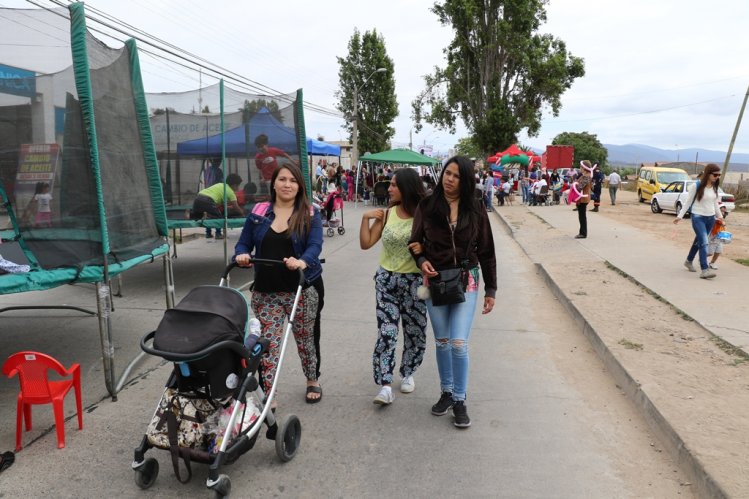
[[704, 484]]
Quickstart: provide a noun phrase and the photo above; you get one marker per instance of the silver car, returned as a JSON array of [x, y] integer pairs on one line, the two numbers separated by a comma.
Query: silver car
[[675, 195]]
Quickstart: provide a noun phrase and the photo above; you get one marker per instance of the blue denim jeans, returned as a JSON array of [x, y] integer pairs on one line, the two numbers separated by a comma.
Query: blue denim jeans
[[452, 327], [702, 225]]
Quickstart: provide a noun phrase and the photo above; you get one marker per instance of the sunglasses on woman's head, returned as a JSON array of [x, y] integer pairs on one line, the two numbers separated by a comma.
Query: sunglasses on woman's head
[[715, 174]]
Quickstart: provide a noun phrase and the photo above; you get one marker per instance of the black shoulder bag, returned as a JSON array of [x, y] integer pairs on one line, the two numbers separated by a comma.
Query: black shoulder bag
[[449, 286]]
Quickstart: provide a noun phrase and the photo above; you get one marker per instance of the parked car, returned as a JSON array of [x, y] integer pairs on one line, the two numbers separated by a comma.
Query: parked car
[[653, 179], [675, 195]]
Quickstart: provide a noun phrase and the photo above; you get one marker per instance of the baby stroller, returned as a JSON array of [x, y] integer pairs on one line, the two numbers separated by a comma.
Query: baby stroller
[[213, 405], [332, 205]]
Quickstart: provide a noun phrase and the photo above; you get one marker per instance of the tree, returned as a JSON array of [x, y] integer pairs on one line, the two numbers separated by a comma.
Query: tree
[[377, 103], [251, 107], [158, 111], [587, 146], [467, 146], [501, 74]]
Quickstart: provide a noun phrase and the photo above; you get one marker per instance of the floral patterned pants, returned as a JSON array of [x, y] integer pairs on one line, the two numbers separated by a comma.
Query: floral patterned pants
[[272, 309], [397, 300]]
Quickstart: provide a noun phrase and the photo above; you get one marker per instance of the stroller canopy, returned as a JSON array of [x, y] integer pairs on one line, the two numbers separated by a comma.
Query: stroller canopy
[[206, 316]]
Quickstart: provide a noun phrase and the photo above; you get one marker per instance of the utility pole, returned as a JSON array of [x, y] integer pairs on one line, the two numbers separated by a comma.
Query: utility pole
[[733, 139], [696, 160]]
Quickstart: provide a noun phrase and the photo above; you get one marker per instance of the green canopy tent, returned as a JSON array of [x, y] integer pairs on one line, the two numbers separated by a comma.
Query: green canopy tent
[[399, 157]]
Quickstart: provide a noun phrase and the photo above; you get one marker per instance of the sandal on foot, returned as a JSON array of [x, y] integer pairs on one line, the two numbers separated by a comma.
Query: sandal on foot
[[313, 389]]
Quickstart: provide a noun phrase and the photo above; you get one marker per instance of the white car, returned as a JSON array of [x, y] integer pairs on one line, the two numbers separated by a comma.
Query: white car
[[675, 195]]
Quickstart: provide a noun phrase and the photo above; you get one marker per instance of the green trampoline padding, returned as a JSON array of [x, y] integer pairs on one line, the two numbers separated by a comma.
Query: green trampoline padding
[[176, 219], [7, 235], [39, 280], [208, 223]]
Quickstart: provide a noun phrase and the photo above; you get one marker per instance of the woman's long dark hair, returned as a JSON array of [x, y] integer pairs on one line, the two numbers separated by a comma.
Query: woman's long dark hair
[[300, 221], [436, 205], [411, 188], [710, 168]]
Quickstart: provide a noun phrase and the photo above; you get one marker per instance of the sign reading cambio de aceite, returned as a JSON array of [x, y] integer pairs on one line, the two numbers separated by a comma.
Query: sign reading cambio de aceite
[[183, 127], [36, 163]]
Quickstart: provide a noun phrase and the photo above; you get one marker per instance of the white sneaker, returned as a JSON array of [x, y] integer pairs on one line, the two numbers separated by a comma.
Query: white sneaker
[[707, 274], [385, 397], [690, 266], [407, 384], [713, 266]]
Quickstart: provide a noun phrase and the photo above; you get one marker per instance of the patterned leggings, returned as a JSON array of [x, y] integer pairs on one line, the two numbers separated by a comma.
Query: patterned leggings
[[396, 299], [272, 309]]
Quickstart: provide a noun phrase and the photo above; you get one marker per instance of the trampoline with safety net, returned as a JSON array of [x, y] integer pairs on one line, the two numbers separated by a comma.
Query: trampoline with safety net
[[217, 126], [79, 179]]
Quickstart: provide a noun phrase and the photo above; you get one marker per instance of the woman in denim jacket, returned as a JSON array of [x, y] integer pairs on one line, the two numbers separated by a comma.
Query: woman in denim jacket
[[290, 230]]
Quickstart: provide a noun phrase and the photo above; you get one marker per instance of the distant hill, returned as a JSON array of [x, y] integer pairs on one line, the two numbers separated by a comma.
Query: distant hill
[[634, 154]]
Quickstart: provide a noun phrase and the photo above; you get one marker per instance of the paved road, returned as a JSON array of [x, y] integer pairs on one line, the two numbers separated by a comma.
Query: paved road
[[547, 419]]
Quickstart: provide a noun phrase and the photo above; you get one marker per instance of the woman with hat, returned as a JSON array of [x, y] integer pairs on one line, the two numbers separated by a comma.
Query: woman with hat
[[583, 185]]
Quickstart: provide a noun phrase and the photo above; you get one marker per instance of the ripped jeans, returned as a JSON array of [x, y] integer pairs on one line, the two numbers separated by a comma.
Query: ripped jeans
[[452, 327]]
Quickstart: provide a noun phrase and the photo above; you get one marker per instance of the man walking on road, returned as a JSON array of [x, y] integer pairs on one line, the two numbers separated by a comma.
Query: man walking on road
[[614, 181]]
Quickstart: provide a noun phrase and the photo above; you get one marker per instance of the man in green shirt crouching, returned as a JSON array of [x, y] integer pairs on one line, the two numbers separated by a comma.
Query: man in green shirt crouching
[[209, 202]]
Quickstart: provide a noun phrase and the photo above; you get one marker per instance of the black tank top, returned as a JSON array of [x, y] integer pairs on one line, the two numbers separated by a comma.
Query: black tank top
[[275, 278]]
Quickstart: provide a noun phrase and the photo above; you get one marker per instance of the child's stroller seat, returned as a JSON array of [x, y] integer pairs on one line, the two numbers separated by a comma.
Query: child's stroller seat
[[206, 316]]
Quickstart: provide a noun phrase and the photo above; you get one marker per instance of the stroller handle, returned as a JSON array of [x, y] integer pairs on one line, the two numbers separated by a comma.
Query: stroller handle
[[178, 357], [233, 265]]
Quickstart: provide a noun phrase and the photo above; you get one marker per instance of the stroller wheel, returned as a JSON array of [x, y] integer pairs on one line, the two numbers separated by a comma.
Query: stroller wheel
[[146, 474], [222, 487], [288, 438], [331, 232], [341, 230]]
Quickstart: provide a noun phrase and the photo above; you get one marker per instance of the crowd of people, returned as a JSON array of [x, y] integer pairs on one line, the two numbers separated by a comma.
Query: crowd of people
[[437, 244], [425, 238]]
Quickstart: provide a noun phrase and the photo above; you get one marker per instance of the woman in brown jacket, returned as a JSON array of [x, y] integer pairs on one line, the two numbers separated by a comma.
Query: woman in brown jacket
[[584, 185], [451, 229]]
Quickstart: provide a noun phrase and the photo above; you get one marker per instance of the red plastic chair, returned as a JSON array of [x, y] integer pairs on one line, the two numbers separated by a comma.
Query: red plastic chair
[[36, 388]]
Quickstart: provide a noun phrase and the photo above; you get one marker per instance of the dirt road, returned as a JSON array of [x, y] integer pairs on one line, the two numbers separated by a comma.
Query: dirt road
[[628, 210]]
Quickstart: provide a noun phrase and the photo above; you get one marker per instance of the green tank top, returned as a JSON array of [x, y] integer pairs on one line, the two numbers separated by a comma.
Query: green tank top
[[395, 256]]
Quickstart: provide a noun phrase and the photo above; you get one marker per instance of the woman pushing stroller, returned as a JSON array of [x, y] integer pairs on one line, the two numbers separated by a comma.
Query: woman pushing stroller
[[291, 231]]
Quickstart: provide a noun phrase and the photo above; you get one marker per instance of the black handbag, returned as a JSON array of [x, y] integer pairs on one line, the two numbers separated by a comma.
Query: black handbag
[[448, 287]]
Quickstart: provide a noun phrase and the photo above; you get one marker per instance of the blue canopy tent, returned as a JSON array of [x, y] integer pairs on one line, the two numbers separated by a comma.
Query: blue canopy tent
[[240, 141], [320, 148]]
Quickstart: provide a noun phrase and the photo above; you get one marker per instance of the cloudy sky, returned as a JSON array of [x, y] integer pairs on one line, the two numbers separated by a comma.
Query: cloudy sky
[[666, 73]]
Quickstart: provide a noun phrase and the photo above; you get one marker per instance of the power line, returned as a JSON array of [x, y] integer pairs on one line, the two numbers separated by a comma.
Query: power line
[[188, 57], [651, 111]]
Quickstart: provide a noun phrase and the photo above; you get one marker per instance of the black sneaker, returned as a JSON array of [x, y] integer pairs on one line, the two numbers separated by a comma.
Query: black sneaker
[[460, 411], [443, 404]]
